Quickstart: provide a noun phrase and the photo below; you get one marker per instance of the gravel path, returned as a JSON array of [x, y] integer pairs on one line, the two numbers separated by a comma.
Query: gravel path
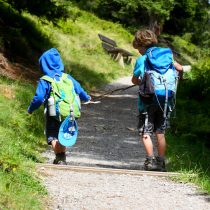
[[108, 138]]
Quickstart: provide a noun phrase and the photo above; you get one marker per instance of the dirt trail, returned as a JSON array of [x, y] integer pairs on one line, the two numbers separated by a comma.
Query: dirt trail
[[107, 131], [108, 138]]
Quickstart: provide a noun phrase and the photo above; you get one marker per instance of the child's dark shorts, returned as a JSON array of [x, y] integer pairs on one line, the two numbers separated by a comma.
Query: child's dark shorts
[[52, 129], [152, 120]]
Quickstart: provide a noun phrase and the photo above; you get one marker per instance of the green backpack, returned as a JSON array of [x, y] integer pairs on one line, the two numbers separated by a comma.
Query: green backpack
[[64, 95]]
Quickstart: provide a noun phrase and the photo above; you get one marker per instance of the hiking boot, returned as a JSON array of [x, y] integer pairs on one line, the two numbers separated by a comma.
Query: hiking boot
[[60, 159], [60, 162], [150, 164], [161, 165]]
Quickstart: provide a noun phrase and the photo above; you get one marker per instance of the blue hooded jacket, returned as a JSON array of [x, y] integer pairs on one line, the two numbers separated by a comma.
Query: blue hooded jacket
[[51, 65]]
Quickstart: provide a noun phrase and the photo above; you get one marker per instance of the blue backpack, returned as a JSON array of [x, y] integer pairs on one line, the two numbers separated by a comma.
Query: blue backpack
[[159, 83]]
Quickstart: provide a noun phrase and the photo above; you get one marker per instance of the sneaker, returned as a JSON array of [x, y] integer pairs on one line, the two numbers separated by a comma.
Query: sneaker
[[150, 164], [60, 159], [60, 162], [161, 165]]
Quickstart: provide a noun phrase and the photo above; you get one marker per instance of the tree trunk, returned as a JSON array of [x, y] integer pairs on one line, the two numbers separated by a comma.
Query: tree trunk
[[155, 26]]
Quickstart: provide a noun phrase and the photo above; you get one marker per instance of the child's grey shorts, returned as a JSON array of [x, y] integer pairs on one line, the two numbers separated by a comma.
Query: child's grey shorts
[[52, 129], [152, 121]]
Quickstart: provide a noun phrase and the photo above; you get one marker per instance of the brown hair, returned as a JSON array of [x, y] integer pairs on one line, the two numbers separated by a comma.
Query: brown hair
[[144, 38]]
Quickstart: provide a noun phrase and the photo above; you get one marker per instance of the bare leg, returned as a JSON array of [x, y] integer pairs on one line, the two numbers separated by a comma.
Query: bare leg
[[57, 148], [147, 141], [150, 162], [161, 141]]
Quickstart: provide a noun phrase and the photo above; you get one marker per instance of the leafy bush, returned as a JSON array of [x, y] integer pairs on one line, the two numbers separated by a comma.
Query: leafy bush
[[185, 46], [193, 114], [47, 8], [21, 35], [199, 87]]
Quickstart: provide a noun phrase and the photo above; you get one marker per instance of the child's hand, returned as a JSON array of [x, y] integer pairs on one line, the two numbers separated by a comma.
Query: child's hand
[[29, 112]]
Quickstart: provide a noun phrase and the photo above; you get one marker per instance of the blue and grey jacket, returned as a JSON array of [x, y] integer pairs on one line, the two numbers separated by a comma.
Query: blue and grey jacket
[[51, 65]]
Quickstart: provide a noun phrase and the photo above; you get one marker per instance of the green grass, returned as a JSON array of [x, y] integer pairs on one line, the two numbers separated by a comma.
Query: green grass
[[188, 142], [80, 47], [21, 143], [20, 190], [191, 158]]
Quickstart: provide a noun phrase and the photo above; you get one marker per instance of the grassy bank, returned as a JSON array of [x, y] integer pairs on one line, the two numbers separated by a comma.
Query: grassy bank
[[21, 141], [188, 141]]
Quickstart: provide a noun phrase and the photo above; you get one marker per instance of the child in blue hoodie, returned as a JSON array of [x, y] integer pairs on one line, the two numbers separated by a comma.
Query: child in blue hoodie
[[51, 65]]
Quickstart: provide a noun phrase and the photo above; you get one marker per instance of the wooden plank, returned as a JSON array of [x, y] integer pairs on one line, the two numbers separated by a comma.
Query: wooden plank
[[84, 169], [107, 40], [116, 50], [122, 51], [111, 46], [107, 47]]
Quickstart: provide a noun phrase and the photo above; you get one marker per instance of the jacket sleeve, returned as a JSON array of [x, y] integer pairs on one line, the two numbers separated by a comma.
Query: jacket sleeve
[[41, 94], [139, 67], [79, 90]]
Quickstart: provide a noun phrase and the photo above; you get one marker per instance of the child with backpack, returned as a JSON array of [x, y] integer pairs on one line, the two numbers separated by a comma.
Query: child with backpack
[[156, 74], [55, 79]]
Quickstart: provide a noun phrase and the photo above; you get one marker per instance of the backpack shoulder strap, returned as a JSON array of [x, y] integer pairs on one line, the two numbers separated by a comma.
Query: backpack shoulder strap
[[67, 79], [52, 83], [64, 76], [47, 78]]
